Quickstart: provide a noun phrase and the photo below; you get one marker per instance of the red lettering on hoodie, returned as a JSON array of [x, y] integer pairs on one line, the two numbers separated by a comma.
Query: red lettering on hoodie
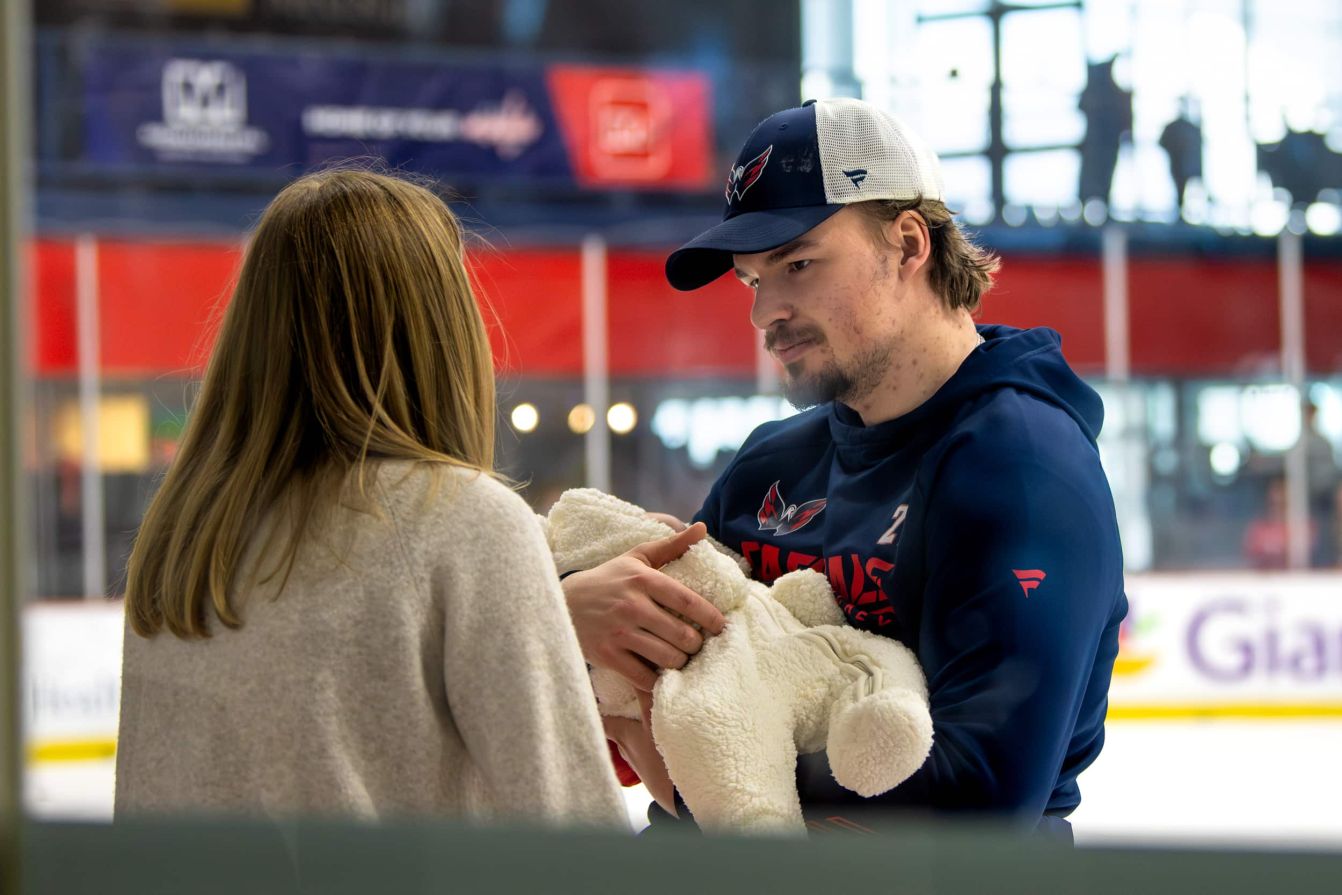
[[770, 568], [836, 581], [797, 561]]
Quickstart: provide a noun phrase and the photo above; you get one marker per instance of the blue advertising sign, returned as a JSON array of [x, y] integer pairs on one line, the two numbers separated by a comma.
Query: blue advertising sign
[[152, 104]]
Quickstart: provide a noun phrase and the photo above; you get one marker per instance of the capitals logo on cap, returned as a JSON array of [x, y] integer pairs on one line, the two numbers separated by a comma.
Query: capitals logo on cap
[[743, 177]]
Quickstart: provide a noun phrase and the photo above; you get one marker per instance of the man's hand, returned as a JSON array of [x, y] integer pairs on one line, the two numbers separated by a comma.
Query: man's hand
[[622, 611], [636, 745]]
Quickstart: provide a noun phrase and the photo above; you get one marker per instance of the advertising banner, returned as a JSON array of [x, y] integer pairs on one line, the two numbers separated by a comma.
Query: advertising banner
[[151, 104], [72, 679], [626, 128], [1243, 645], [1257, 647]]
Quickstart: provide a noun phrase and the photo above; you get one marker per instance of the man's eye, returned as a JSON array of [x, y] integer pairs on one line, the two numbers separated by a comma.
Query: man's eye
[[795, 266]]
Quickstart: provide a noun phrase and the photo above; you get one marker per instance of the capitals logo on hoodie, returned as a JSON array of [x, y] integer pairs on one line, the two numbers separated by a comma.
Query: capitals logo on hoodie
[[782, 518]]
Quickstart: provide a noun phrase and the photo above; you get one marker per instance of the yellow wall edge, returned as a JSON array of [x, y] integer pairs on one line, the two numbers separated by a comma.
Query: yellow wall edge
[[101, 749], [1257, 711]]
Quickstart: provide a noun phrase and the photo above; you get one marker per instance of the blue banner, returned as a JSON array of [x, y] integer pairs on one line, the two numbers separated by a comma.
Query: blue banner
[[151, 104]]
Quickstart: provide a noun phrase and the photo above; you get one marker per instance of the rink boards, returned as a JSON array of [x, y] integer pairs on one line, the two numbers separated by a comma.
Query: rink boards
[[1226, 703]]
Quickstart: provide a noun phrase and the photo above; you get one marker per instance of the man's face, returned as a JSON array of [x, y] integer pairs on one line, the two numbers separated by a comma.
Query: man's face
[[829, 304]]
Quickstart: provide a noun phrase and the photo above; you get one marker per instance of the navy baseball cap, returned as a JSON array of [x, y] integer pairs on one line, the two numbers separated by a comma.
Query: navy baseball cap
[[798, 168]]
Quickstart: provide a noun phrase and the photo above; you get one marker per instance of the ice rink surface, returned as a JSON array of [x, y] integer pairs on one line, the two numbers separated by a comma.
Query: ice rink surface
[[1264, 783], [1267, 784]]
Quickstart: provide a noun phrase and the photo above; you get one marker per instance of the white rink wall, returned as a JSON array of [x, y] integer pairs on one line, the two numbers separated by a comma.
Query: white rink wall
[[1225, 720]]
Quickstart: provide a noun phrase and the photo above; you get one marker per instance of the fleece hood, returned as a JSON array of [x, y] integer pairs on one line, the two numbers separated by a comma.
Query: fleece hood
[[1026, 360]]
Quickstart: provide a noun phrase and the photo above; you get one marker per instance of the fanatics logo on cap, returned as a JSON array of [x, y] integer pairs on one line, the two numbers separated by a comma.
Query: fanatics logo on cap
[[743, 177]]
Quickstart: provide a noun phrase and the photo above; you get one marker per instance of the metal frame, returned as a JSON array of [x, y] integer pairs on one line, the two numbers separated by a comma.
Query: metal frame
[[997, 149], [15, 118]]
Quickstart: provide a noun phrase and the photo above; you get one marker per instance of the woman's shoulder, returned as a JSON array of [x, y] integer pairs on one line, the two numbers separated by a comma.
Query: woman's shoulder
[[447, 498]]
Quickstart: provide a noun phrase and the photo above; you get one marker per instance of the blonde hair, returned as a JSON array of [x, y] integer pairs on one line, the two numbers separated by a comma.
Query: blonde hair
[[960, 271], [352, 335]]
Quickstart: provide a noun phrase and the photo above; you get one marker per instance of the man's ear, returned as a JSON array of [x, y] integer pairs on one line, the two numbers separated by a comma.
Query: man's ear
[[909, 235]]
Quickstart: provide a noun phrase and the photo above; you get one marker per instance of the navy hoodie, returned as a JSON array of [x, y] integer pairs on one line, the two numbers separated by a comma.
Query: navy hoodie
[[978, 530]]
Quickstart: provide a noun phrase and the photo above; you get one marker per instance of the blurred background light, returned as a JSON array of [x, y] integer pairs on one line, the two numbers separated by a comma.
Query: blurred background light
[[621, 418], [1323, 219], [1270, 415], [1225, 459], [581, 419], [525, 417]]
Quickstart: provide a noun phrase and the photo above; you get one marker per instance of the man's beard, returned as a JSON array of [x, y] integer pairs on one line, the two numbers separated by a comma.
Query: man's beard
[[849, 383]]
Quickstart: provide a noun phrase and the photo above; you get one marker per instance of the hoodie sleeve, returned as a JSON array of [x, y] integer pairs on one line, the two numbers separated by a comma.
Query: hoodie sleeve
[[1023, 585]]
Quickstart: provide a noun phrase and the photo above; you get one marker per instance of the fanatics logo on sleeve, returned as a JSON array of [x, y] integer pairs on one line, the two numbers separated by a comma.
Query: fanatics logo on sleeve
[[778, 516], [743, 177], [1029, 579]]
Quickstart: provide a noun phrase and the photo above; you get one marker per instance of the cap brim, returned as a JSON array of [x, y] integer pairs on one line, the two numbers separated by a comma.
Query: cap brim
[[709, 255]]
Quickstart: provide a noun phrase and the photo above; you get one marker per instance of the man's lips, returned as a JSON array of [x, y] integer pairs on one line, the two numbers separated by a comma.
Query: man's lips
[[793, 350]]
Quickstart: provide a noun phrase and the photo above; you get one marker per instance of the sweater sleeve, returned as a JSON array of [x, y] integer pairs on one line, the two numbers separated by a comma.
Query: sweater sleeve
[[516, 683]]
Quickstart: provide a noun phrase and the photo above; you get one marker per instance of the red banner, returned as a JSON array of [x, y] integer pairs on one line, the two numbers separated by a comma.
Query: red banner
[[157, 303], [629, 128]]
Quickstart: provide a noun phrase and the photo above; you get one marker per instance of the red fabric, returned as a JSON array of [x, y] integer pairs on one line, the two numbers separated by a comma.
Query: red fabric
[[623, 772], [1267, 544]]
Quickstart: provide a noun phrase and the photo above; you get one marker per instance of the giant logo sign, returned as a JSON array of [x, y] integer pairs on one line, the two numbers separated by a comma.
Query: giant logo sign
[[1256, 645]]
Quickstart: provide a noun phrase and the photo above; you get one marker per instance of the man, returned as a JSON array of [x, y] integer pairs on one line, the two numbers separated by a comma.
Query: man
[[947, 480], [1321, 478]]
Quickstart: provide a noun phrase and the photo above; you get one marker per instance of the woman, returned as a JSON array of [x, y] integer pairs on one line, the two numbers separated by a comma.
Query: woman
[[333, 606]]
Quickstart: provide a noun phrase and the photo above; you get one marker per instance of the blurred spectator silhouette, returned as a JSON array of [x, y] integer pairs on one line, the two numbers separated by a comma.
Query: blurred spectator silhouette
[[1108, 111], [1302, 164], [1322, 481], [1182, 141], [1336, 545], [1266, 540]]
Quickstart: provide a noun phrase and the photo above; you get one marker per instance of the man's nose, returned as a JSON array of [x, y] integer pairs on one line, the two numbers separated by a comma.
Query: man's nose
[[767, 309]]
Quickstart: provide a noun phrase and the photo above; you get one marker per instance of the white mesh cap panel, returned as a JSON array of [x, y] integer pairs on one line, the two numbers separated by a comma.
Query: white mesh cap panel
[[856, 137]]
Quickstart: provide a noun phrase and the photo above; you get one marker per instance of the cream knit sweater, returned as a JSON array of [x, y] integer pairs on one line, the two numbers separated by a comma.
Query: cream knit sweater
[[421, 663]]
